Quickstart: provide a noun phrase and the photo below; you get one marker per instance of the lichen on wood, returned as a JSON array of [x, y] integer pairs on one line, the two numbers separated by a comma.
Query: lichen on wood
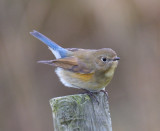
[[81, 113]]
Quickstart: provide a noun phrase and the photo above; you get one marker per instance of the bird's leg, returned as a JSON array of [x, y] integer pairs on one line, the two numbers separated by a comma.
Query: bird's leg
[[91, 95], [105, 92]]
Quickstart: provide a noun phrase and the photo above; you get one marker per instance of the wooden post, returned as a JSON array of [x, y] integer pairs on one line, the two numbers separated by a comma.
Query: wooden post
[[81, 113]]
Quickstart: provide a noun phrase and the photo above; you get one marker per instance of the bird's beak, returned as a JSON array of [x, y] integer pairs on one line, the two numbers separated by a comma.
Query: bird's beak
[[116, 58]]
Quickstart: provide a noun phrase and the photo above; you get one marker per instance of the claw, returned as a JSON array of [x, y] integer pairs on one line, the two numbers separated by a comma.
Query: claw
[[105, 92], [91, 95]]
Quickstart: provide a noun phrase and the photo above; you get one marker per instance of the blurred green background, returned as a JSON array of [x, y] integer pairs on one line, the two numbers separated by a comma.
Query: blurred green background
[[130, 27]]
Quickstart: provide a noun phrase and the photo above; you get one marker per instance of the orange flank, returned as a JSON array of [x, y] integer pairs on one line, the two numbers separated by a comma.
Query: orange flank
[[83, 77]]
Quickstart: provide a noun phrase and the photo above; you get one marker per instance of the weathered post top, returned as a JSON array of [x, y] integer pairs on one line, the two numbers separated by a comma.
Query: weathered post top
[[81, 113]]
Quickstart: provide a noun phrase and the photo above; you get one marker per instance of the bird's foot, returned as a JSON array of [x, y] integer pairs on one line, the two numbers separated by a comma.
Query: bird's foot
[[91, 95], [105, 92]]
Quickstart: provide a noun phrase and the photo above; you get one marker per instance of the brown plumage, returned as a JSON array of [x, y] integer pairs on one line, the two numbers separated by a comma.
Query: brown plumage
[[81, 68]]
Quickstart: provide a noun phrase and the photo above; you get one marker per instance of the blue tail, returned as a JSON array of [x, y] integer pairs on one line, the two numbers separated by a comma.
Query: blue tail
[[57, 50]]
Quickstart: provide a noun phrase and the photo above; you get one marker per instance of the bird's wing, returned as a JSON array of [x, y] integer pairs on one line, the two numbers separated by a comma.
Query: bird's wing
[[69, 63]]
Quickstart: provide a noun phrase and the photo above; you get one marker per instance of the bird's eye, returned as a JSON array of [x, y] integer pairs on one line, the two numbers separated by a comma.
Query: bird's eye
[[104, 59]]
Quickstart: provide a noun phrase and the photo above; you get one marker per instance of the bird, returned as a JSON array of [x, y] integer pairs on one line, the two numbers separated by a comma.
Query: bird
[[88, 69]]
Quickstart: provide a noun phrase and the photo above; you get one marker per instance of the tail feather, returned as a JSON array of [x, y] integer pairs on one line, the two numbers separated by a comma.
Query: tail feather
[[57, 50]]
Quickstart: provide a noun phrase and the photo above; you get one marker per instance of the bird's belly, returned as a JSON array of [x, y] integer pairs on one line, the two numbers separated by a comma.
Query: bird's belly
[[78, 80]]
